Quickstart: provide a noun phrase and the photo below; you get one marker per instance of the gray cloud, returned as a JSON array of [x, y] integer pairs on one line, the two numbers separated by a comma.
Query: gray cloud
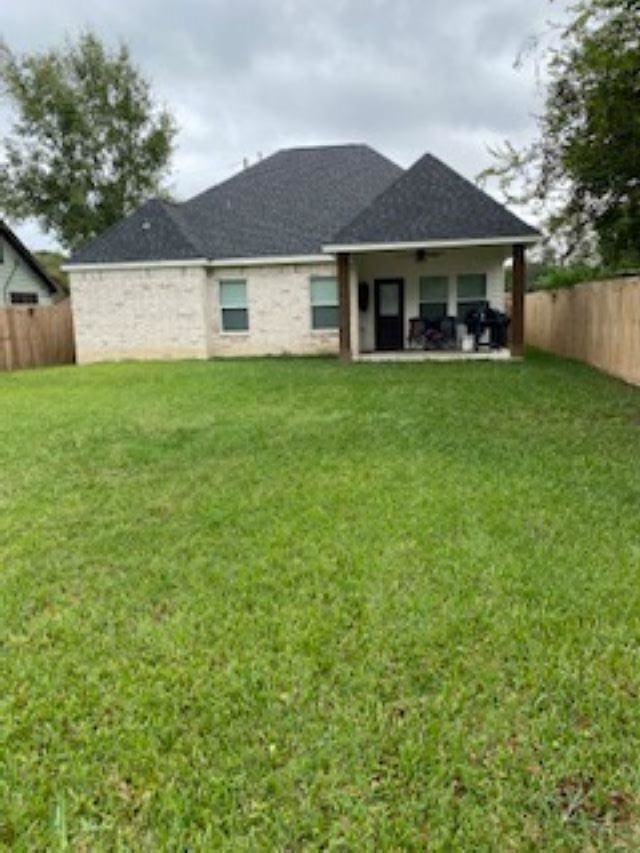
[[244, 76]]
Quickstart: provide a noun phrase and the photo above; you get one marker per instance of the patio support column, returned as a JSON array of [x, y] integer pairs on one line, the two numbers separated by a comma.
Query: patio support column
[[344, 297], [517, 294]]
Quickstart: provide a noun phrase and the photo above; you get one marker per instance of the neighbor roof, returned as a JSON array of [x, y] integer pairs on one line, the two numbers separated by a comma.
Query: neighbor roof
[[429, 203], [289, 204], [12, 238]]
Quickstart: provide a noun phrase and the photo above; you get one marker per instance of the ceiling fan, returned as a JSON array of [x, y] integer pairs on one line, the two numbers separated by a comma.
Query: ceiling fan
[[426, 254]]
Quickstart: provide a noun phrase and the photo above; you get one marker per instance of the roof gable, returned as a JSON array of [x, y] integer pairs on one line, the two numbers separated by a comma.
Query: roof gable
[[7, 234], [431, 202]]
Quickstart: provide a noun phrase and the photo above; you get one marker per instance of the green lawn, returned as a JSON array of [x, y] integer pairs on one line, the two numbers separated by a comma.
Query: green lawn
[[292, 604]]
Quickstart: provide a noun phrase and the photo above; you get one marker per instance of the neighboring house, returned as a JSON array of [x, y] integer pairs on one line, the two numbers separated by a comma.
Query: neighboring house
[[310, 251], [23, 282]]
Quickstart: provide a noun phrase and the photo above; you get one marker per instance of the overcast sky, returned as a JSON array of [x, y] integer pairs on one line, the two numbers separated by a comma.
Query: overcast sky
[[243, 76]]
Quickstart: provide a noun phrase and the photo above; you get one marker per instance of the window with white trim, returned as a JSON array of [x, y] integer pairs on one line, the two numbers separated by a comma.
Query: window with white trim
[[472, 293], [325, 309], [233, 306], [434, 297]]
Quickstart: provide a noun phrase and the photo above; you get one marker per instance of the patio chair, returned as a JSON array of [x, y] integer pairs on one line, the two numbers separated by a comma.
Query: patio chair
[[417, 330], [437, 334]]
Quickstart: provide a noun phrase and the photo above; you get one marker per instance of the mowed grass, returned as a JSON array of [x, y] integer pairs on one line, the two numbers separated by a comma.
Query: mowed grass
[[297, 605]]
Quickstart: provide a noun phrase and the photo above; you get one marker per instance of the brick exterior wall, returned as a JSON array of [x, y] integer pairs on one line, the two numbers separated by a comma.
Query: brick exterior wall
[[279, 299], [139, 313], [174, 312]]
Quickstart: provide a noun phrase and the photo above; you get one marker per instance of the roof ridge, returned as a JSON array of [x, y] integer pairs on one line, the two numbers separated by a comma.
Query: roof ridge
[[174, 215], [387, 189], [328, 147], [294, 149], [442, 165], [478, 189]]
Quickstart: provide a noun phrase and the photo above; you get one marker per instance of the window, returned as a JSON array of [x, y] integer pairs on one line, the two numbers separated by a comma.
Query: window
[[472, 293], [24, 298], [325, 311], [434, 297], [233, 305]]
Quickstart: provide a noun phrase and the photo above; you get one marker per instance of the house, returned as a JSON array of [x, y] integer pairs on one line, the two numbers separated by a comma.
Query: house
[[23, 282], [310, 251]]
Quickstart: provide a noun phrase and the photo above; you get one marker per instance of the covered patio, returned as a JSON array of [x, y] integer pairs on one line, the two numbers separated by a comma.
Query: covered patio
[[386, 294], [421, 271]]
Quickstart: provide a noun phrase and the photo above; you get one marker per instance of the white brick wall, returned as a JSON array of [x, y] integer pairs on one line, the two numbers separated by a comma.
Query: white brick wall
[[279, 299], [174, 312], [139, 313]]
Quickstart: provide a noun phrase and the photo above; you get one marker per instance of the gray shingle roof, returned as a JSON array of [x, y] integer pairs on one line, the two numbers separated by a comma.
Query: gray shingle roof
[[298, 200], [154, 232], [288, 204], [431, 202]]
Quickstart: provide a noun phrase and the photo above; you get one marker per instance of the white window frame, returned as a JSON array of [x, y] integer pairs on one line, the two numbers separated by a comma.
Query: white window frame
[[471, 300], [446, 300], [235, 307], [312, 304]]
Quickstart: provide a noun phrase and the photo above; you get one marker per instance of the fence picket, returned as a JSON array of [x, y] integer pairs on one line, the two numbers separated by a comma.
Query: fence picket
[[33, 337], [597, 322]]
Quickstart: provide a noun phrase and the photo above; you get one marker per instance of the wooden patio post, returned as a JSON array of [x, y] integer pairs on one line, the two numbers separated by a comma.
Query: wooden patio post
[[344, 299], [517, 293]]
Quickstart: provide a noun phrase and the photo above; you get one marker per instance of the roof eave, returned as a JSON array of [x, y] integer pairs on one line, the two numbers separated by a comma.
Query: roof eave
[[338, 248], [257, 261], [95, 266]]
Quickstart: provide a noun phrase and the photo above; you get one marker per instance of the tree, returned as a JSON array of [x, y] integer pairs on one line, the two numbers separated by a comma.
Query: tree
[[88, 143], [52, 263], [583, 171]]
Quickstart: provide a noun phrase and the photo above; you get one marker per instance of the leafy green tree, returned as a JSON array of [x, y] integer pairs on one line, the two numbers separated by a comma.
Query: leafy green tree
[[52, 263], [583, 170], [88, 143]]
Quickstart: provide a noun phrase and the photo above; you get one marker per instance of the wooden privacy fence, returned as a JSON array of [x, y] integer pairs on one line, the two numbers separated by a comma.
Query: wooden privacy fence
[[34, 337], [598, 322]]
